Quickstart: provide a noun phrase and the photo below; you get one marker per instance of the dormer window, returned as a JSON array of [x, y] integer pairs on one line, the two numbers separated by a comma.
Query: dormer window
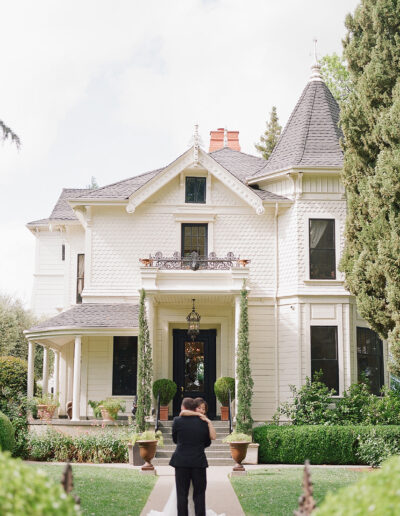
[[195, 191]]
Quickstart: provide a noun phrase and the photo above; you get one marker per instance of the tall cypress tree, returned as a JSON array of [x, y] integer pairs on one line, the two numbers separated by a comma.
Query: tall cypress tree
[[244, 421], [370, 123], [144, 368], [269, 139]]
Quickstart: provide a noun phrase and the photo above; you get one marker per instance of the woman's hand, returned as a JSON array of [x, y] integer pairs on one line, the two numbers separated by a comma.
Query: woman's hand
[[203, 417]]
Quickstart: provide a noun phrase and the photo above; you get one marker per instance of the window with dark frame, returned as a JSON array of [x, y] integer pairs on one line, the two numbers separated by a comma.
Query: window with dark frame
[[63, 252], [80, 277], [195, 190], [370, 358], [322, 249], [194, 238], [324, 355], [124, 366]]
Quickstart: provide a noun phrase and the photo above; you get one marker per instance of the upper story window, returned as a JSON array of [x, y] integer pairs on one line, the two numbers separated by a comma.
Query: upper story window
[[195, 191], [124, 366], [194, 238], [370, 358], [63, 252], [324, 355], [80, 277], [322, 249]]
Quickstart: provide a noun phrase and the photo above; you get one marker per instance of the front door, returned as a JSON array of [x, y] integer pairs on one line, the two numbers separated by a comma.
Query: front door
[[194, 368]]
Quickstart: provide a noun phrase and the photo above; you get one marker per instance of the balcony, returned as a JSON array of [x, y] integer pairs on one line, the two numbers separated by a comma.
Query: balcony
[[193, 273]]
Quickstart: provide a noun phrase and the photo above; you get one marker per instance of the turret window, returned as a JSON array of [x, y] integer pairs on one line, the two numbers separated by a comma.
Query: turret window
[[322, 249], [80, 277], [324, 355]]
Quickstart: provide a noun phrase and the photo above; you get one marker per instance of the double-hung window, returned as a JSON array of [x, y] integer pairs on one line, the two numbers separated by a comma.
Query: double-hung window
[[80, 277], [322, 249], [194, 238], [324, 355], [124, 366], [370, 358]]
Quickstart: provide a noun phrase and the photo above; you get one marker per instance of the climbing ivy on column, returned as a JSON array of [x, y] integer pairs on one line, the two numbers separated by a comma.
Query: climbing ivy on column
[[244, 421], [144, 368]]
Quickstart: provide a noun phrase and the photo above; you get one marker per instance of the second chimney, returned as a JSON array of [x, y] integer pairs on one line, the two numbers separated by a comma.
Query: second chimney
[[223, 138]]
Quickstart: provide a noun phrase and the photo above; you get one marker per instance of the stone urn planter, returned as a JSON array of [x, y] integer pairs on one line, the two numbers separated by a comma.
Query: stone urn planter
[[147, 451], [46, 412], [238, 452], [105, 415]]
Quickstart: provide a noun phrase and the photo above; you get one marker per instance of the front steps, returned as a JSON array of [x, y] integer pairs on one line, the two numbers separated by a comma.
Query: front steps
[[218, 454]]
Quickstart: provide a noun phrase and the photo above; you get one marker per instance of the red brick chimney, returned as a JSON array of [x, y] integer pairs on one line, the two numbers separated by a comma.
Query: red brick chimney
[[223, 138]]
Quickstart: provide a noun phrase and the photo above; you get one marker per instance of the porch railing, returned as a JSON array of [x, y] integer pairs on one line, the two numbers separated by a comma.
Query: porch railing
[[194, 261], [157, 425], [230, 411]]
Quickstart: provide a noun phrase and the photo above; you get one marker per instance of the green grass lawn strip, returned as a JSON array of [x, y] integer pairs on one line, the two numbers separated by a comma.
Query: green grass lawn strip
[[106, 491], [276, 491]]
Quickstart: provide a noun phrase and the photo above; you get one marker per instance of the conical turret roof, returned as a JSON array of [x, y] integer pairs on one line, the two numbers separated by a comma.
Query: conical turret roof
[[311, 136]]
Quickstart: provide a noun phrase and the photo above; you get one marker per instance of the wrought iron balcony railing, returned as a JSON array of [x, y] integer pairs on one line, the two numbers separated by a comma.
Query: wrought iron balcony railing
[[194, 261]]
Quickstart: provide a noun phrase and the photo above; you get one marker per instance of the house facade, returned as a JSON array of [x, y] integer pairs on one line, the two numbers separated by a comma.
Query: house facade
[[196, 230]]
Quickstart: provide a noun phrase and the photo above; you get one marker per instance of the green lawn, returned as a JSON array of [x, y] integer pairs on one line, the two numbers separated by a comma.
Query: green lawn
[[107, 491], [275, 491]]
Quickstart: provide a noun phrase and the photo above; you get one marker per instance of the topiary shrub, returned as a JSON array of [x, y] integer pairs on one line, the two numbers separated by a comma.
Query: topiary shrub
[[321, 444], [13, 376], [221, 388], [166, 388], [376, 494], [7, 439], [24, 490]]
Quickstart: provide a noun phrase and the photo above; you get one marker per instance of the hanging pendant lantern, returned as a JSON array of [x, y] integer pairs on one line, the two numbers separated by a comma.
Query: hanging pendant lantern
[[193, 320]]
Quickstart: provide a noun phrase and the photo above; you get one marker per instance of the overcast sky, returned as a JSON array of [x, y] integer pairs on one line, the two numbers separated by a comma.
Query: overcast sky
[[112, 88]]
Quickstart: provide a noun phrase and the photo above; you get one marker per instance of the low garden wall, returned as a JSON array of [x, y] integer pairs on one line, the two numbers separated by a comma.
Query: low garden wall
[[324, 444]]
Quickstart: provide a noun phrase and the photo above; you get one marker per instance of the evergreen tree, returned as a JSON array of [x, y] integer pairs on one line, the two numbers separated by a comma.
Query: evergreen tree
[[144, 368], [270, 137], [6, 133], [336, 76], [244, 421], [370, 123]]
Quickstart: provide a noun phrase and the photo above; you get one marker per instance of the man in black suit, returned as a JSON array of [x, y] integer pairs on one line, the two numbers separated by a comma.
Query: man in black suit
[[191, 435]]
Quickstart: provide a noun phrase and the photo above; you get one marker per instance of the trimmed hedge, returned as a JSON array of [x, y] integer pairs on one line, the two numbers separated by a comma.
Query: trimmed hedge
[[7, 439], [320, 444], [28, 491]]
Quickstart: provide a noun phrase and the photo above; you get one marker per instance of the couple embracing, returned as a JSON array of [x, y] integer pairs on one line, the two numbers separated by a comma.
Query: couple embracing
[[192, 432]]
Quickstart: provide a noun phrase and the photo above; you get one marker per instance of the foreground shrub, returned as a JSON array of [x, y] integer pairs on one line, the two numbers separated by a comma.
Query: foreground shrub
[[376, 493], [104, 447], [7, 440], [320, 444], [13, 377], [375, 447], [25, 491]]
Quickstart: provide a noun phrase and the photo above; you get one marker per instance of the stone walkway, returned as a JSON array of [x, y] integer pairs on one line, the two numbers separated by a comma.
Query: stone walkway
[[220, 496]]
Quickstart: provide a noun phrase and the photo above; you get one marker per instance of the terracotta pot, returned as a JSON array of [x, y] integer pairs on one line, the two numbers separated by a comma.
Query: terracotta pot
[[106, 416], [147, 451], [224, 413], [238, 452], [46, 412], [164, 413]]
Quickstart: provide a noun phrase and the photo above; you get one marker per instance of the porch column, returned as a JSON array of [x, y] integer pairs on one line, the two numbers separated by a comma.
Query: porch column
[[31, 368], [56, 373], [76, 392], [45, 384], [237, 325]]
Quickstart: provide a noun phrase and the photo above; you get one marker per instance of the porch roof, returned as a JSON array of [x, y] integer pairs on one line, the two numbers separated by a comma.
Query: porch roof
[[93, 315]]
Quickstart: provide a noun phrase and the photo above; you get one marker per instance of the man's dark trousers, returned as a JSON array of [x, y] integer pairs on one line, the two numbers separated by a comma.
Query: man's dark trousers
[[198, 476], [191, 435]]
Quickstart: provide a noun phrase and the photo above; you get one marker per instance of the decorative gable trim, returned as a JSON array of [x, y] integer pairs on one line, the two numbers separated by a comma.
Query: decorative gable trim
[[187, 159]]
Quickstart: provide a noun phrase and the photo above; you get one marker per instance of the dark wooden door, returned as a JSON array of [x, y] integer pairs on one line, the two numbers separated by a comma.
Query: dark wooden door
[[194, 368]]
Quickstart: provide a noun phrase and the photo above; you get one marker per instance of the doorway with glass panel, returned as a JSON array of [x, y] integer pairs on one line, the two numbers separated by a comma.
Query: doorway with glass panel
[[194, 368]]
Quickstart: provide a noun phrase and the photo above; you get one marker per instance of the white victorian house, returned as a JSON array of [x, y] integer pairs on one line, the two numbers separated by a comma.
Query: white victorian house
[[278, 224]]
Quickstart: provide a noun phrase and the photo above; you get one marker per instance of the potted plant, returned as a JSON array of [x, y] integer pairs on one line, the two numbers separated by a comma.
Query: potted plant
[[109, 408], [147, 442], [95, 406], [238, 444], [221, 388], [46, 406], [167, 390]]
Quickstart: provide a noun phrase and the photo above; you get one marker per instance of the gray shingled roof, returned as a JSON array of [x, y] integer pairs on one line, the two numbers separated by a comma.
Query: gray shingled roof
[[311, 136], [93, 315], [62, 210]]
